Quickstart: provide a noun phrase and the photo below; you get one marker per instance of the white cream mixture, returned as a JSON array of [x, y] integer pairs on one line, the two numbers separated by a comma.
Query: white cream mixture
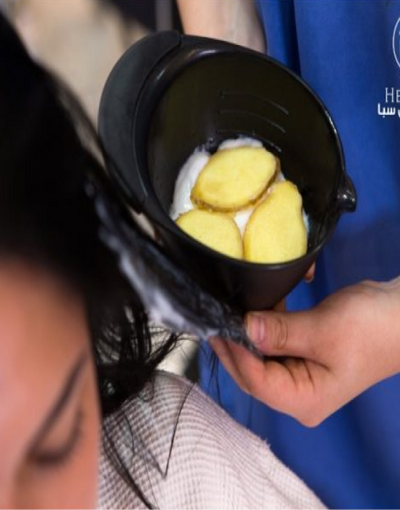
[[191, 170]]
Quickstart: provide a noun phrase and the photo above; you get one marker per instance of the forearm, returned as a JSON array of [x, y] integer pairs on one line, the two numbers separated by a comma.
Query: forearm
[[231, 20]]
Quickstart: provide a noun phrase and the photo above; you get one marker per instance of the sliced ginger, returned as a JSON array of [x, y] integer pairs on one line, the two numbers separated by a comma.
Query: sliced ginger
[[276, 232], [217, 231], [234, 178]]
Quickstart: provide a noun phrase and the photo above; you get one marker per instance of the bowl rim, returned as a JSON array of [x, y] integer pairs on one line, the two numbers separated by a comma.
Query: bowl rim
[[198, 49]]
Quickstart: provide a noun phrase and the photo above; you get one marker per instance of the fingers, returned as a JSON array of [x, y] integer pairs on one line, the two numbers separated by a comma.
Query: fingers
[[221, 349], [309, 277], [286, 334], [267, 381], [243, 367], [291, 387]]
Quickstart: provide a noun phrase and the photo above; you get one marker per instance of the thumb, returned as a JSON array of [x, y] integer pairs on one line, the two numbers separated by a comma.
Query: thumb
[[293, 334]]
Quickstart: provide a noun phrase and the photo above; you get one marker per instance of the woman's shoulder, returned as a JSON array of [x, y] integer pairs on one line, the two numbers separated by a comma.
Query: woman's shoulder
[[184, 451]]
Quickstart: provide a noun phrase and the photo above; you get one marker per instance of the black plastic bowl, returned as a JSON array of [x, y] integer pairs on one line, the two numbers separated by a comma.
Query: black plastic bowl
[[169, 94]]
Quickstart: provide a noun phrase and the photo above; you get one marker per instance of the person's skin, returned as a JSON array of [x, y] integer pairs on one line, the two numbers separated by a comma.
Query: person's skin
[[322, 358], [235, 21], [49, 411]]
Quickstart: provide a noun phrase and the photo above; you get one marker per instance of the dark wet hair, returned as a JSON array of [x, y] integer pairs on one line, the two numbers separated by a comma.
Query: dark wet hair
[[50, 161]]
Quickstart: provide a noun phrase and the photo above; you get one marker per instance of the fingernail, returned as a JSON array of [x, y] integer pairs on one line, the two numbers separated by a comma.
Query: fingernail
[[255, 328]]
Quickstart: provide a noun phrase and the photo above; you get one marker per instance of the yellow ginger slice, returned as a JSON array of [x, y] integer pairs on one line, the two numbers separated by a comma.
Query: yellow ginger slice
[[276, 232], [234, 178], [217, 231]]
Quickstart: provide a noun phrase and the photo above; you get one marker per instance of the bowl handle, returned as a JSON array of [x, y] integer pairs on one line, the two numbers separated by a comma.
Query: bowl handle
[[117, 108], [347, 195]]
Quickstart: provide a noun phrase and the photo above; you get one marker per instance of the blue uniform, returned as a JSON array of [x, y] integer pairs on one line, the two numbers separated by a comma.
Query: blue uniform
[[344, 50]]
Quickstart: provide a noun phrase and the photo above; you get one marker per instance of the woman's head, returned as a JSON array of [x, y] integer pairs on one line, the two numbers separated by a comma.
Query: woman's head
[[49, 414], [72, 332]]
